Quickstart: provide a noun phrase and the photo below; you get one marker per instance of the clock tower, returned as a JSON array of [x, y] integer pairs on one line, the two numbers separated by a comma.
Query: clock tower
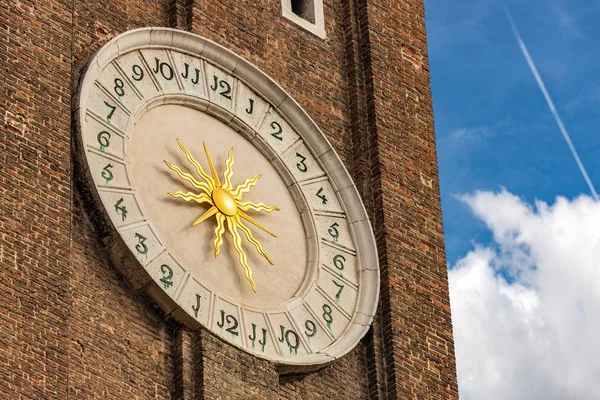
[[215, 200]]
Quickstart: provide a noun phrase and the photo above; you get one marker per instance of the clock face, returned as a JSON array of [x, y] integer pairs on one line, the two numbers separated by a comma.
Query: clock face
[[222, 198]]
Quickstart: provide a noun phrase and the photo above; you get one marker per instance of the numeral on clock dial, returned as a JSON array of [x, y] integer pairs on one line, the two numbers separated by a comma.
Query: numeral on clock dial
[[339, 263], [230, 321], [165, 69], [104, 139], [341, 292], [335, 230], [262, 342], [111, 111], [121, 207], [287, 337], [321, 196], [107, 173], [277, 131], [101, 136], [311, 328], [142, 241], [195, 77], [166, 272], [167, 276], [138, 73], [191, 74], [116, 83], [119, 87], [301, 164], [196, 307], [328, 312], [259, 337], [291, 338], [193, 297], [226, 321], [327, 315], [221, 87], [249, 107], [141, 246], [161, 73]]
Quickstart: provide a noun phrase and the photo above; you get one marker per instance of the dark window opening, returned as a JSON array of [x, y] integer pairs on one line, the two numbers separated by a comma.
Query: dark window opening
[[304, 9]]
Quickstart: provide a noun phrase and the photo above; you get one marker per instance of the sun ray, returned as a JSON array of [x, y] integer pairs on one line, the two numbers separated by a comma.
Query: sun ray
[[189, 196], [211, 211], [226, 205], [196, 164], [228, 171], [212, 167], [245, 187], [253, 221], [252, 240], [189, 178], [219, 233], [237, 243], [248, 205]]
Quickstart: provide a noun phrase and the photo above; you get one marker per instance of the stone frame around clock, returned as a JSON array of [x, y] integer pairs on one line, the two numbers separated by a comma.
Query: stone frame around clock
[[314, 139]]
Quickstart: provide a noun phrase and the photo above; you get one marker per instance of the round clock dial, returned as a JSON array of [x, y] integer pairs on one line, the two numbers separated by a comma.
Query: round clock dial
[[222, 199]]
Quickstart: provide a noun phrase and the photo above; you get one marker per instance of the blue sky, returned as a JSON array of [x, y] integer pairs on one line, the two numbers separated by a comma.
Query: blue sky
[[522, 229], [493, 126]]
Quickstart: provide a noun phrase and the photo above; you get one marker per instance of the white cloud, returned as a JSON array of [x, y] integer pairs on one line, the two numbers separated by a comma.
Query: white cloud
[[526, 308], [568, 24], [475, 135]]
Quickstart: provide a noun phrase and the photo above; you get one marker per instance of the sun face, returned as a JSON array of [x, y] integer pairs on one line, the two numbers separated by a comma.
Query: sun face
[[227, 205]]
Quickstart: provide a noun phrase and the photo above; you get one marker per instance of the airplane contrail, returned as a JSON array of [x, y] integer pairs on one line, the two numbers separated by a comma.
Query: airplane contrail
[[550, 103]]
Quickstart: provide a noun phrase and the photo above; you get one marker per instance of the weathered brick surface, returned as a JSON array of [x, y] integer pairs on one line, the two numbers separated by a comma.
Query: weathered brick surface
[[344, 379], [71, 326], [227, 373], [121, 346], [35, 294], [414, 313]]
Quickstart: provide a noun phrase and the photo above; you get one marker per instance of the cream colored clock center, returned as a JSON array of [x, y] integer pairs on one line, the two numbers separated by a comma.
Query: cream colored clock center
[[155, 139]]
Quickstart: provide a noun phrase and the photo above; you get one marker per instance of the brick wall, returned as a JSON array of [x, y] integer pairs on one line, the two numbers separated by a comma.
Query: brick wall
[[71, 325], [415, 309], [121, 345], [35, 198]]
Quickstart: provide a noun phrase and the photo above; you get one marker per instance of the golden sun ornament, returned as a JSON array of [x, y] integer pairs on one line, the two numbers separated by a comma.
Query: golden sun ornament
[[227, 205]]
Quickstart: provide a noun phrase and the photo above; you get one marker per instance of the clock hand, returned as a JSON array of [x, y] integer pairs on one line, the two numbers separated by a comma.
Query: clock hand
[[252, 240], [251, 220], [211, 211], [195, 163], [248, 205], [212, 167]]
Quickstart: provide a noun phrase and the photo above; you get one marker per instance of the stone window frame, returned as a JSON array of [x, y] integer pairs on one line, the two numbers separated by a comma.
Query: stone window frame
[[317, 28]]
